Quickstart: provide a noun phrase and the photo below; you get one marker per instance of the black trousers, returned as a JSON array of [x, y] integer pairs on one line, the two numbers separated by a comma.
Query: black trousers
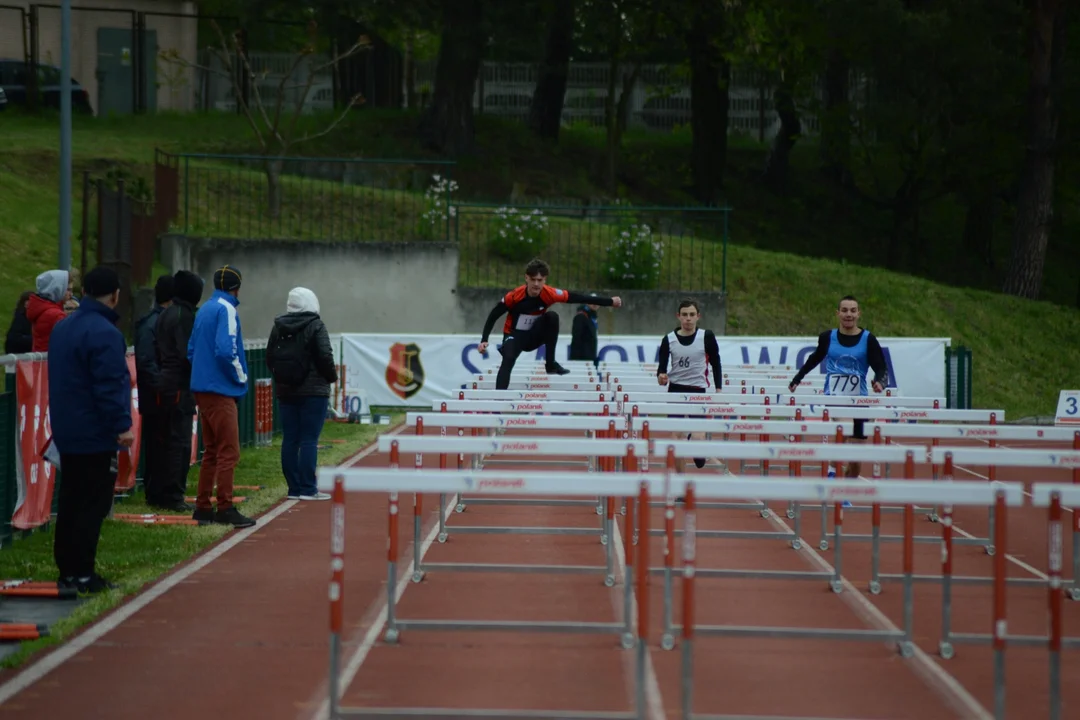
[[84, 501], [168, 455], [152, 437], [544, 331]]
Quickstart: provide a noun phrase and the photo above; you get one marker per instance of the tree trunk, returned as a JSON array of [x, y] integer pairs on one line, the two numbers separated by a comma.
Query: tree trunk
[[272, 169], [447, 124], [545, 112], [778, 162], [835, 145], [410, 75], [1035, 205], [709, 75], [616, 111]]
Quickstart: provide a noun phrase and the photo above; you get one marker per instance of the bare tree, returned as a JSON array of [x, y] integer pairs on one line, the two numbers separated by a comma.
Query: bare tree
[[274, 116]]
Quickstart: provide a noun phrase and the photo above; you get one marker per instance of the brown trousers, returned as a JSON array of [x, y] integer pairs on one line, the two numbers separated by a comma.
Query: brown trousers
[[218, 418]]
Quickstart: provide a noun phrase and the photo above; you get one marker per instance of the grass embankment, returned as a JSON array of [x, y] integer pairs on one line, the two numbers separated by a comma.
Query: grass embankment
[[133, 555], [1022, 349]]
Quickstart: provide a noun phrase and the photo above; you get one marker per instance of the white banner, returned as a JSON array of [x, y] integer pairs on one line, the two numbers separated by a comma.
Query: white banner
[[417, 370]]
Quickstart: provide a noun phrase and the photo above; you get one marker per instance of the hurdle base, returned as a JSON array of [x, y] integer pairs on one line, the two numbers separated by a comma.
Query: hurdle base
[[454, 714], [497, 568], [1039, 641], [504, 530], [751, 574], [733, 534], [962, 579], [597, 628], [782, 633]]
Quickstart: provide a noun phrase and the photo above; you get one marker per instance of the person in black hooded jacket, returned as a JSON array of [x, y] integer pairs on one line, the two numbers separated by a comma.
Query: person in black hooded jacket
[[583, 338], [154, 431], [173, 393], [301, 361]]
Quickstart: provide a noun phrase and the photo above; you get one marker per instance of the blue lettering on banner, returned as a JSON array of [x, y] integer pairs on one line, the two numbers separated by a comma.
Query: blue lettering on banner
[[609, 348], [471, 347]]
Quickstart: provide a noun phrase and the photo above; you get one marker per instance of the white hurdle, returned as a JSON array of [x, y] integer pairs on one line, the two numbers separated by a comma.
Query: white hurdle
[[637, 489], [612, 449]]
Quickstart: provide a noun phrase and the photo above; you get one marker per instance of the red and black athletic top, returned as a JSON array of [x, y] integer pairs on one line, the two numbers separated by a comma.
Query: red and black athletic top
[[524, 310]]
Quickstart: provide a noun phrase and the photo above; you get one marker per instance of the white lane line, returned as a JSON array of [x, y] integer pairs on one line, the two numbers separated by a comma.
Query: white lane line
[[381, 606], [653, 698], [38, 670], [956, 528], [954, 694], [92, 633]]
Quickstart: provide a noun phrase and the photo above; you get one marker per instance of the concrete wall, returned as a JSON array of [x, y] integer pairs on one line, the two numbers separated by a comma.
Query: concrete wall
[[175, 83], [390, 287]]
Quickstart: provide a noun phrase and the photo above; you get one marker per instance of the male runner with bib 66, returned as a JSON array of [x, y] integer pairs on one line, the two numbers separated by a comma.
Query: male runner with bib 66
[[689, 353], [848, 352]]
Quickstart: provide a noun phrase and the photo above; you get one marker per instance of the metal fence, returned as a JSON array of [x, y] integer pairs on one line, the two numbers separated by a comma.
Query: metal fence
[[958, 377], [257, 369], [609, 247], [297, 198]]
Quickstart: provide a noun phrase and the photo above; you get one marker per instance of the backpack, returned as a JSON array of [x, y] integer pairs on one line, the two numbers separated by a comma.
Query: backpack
[[290, 358]]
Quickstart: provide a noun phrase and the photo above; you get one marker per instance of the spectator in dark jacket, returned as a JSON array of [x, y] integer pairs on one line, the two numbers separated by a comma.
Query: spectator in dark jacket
[[301, 361], [174, 396], [45, 308], [583, 336], [20, 336], [90, 412], [148, 379]]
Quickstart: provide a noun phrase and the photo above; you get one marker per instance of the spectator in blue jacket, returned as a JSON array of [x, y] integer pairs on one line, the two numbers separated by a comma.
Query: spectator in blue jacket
[[218, 381], [90, 414]]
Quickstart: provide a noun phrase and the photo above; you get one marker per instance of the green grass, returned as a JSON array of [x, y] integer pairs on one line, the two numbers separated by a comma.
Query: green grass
[[828, 245], [1021, 349], [133, 555]]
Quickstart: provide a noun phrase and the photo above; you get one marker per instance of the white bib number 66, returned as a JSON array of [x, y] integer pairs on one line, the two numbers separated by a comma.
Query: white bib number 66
[[844, 384]]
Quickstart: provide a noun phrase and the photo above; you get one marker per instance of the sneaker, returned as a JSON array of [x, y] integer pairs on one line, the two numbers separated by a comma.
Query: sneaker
[[203, 517], [556, 369], [90, 585], [316, 496], [233, 517], [292, 496]]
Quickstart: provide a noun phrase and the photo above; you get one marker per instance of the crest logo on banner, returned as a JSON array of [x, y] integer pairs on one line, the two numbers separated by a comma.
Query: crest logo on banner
[[405, 373]]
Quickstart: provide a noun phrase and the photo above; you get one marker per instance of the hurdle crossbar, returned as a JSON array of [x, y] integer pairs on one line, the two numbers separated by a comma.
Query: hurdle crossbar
[[505, 406], [477, 447], [1000, 494]]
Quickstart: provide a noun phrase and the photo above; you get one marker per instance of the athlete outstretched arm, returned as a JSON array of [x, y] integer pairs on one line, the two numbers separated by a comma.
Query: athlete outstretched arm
[[529, 324]]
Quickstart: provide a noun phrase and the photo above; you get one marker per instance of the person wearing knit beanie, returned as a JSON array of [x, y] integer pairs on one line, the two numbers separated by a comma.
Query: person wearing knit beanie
[[219, 378]]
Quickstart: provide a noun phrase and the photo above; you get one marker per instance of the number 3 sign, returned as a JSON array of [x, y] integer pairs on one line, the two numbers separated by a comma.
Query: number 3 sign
[[1068, 408]]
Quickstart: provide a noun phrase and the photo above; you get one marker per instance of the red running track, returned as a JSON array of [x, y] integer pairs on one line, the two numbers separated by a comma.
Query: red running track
[[249, 629]]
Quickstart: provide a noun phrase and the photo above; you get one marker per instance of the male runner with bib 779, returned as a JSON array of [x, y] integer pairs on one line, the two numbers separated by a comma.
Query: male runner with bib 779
[[848, 352]]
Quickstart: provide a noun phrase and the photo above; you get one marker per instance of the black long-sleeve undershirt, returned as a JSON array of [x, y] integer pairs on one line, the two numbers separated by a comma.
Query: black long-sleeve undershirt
[[875, 356], [712, 354], [530, 304]]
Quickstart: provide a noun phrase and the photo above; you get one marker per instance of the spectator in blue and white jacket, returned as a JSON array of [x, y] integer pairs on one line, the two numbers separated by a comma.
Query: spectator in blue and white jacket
[[218, 381], [90, 415]]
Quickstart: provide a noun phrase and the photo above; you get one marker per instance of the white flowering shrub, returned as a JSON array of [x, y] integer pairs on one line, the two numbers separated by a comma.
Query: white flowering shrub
[[633, 258], [517, 235], [439, 209]]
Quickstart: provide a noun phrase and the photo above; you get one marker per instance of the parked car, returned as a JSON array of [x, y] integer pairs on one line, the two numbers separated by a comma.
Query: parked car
[[13, 83]]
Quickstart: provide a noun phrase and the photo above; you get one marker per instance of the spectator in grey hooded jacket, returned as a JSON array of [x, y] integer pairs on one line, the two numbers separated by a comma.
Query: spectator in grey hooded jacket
[[301, 361]]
